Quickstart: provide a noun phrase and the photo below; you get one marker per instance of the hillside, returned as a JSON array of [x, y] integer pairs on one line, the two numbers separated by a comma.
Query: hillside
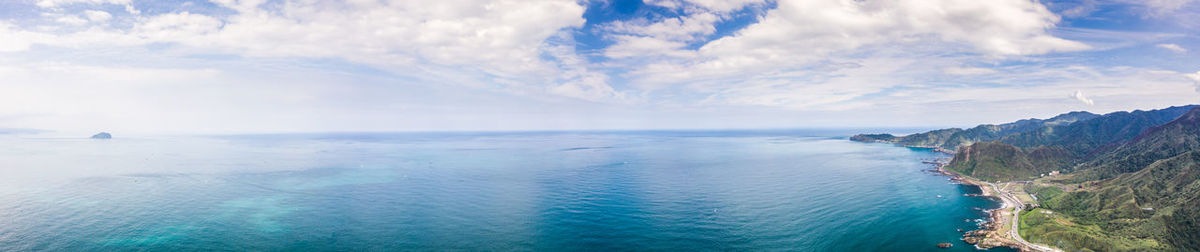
[[1088, 138], [1133, 179], [993, 161], [953, 138], [1088, 141], [1155, 144], [1145, 189]]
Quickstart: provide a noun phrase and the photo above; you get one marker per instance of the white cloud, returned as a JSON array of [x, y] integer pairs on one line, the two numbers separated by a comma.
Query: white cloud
[[1121, 87], [1195, 77], [718, 6], [801, 32], [1078, 9], [806, 55], [725, 5], [1159, 7], [637, 46], [1081, 98], [71, 20], [834, 88], [504, 42], [59, 3], [967, 70], [500, 41], [97, 16], [686, 28], [16, 40], [1173, 48]]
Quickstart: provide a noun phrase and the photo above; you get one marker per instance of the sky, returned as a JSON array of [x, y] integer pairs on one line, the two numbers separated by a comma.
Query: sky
[[275, 66]]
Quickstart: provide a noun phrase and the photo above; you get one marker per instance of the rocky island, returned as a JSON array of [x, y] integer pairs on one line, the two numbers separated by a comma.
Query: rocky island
[[102, 135]]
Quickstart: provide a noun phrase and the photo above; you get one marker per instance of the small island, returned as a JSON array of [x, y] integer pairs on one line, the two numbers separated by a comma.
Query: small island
[[102, 135]]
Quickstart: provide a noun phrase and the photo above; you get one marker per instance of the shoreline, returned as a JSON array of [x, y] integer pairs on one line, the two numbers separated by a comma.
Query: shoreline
[[988, 235]]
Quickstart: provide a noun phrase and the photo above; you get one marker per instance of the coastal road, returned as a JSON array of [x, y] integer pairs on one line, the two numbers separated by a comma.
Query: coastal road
[[1008, 199]]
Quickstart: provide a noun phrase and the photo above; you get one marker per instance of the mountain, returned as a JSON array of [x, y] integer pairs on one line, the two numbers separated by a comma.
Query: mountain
[[993, 161], [1063, 147], [1132, 182], [1089, 137], [1147, 188], [953, 138], [873, 138]]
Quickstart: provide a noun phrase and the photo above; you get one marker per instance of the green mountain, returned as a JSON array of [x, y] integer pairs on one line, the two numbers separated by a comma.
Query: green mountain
[[1156, 143], [1087, 138], [993, 161], [1147, 188], [873, 138], [953, 138], [1062, 147], [1133, 182]]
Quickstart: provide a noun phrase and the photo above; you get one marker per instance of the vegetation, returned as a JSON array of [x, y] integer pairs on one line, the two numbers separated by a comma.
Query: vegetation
[[1133, 181], [1048, 227], [1087, 138], [953, 138], [870, 138], [994, 161], [1140, 195]]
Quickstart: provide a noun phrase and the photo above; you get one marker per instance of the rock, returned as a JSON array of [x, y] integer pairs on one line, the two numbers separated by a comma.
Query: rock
[[971, 240], [945, 245], [102, 135]]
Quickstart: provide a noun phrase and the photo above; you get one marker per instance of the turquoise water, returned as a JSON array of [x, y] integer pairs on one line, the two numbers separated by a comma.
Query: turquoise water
[[599, 191]]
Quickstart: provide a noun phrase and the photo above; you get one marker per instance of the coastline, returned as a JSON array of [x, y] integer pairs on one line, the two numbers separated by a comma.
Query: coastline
[[931, 148], [989, 234], [1001, 227]]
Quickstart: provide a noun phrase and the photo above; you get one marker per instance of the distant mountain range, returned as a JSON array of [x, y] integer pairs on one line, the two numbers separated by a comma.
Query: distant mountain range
[[1132, 179], [952, 138]]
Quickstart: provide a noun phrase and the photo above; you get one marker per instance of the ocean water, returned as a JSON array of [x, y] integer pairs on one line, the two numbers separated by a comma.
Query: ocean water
[[537, 191]]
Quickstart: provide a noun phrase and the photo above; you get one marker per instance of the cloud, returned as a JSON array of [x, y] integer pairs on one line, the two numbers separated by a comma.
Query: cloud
[[967, 70], [797, 56], [97, 16], [686, 28], [470, 42], [1172, 47], [636, 46], [71, 20], [800, 32], [1078, 9], [1079, 97], [1161, 7], [16, 40], [719, 6], [59, 3], [1195, 77], [509, 43]]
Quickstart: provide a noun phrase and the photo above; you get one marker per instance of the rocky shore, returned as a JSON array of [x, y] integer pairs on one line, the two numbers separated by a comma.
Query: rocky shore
[[988, 235]]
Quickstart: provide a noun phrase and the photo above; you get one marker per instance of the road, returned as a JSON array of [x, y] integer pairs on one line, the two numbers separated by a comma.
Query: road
[[1010, 199]]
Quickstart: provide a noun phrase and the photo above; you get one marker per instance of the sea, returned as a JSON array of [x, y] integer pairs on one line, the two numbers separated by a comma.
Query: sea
[[769, 190]]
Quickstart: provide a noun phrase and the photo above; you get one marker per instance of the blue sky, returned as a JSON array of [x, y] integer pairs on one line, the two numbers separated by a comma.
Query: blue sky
[[233, 66]]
